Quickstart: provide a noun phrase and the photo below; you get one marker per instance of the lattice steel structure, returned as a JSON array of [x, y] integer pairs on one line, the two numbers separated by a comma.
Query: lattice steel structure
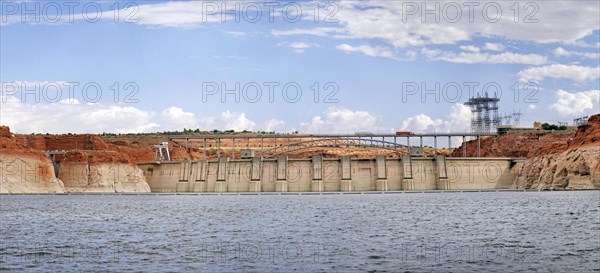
[[161, 152], [580, 120], [484, 113]]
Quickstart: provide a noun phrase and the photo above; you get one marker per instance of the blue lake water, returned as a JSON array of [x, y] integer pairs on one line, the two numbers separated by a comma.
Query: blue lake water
[[405, 232]]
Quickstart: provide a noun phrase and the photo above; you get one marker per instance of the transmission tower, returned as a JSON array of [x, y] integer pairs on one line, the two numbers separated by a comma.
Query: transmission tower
[[517, 117], [580, 120], [484, 113], [507, 119]]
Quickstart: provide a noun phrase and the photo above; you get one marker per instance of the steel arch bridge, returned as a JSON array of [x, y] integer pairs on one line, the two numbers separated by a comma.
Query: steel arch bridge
[[335, 143], [295, 142]]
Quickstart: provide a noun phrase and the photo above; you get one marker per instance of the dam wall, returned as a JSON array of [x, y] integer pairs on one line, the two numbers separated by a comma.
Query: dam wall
[[318, 174]]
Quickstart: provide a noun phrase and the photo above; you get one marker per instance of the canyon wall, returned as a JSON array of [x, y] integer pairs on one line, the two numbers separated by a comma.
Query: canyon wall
[[88, 165], [573, 169], [101, 171], [577, 167], [555, 160], [25, 170]]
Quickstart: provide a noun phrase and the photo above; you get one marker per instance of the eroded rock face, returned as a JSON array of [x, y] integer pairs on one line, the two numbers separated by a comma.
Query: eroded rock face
[[27, 174], [525, 145], [573, 169], [588, 134], [24, 170], [102, 171], [5, 132], [576, 168]]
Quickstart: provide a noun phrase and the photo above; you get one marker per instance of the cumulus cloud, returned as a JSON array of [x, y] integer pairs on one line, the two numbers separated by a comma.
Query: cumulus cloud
[[175, 118], [235, 121], [28, 114], [74, 117], [458, 119], [560, 71], [273, 125], [572, 104], [341, 120], [421, 123]]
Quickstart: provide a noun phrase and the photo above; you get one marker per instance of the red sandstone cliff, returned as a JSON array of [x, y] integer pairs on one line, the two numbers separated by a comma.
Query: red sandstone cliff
[[588, 134], [89, 165], [526, 145], [578, 167], [24, 170], [101, 171]]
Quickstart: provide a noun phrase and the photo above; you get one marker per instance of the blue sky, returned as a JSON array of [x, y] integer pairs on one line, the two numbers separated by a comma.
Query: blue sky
[[364, 58]]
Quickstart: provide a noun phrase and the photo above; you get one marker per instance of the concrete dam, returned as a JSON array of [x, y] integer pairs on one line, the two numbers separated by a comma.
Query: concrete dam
[[318, 174]]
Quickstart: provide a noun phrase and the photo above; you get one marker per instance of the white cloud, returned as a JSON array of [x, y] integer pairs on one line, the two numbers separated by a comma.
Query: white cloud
[[319, 31], [421, 123], [581, 43], [494, 47], [235, 121], [561, 52], [531, 107], [458, 119], [572, 104], [368, 50], [273, 125], [560, 71], [299, 47], [178, 14], [341, 120], [469, 48], [235, 33], [175, 118], [430, 53], [502, 58], [74, 117], [383, 20]]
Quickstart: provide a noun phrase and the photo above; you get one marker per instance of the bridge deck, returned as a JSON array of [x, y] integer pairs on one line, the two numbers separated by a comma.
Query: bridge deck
[[227, 136]]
